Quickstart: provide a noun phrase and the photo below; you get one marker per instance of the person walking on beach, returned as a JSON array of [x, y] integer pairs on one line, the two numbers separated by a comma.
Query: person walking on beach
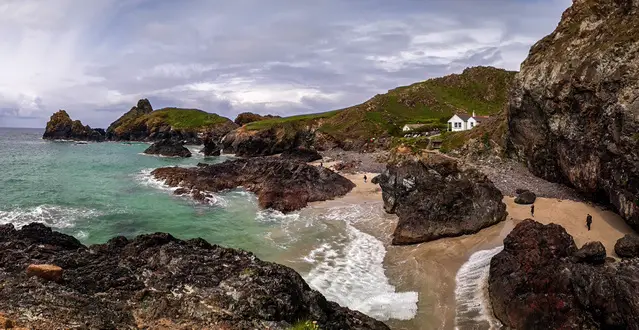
[[364, 178], [588, 221], [532, 210]]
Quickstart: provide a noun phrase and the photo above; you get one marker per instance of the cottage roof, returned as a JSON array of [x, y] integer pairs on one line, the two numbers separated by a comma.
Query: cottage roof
[[464, 116]]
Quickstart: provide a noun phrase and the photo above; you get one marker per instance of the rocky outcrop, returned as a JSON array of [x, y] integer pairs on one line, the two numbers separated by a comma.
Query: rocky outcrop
[[249, 117], [573, 114], [591, 252], [434, 198], [155, 281], [211, 148], [279, 184], [168, 148], [251, 143], [537, 283], [628, 246], [61, 127], [301, 154], [118, 130], [525, 197]]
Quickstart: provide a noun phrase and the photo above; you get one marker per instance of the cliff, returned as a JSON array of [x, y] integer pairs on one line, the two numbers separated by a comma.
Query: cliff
[[61, 127], [573, 114], [249, 117]]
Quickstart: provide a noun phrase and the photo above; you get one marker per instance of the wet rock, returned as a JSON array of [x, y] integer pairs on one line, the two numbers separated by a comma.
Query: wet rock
[[181, 191], [280, 184], [591, 252], [628, 246], [61, 127], [526, 197], [434, 198], [156, 280], [169, 148], [301, 154], [212, 148], [537, 283], [47, 272], [572, 112]]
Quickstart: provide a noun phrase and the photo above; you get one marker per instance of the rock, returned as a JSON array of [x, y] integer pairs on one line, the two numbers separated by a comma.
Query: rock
[[181, 191], [124, 129], [61, 127], [5, 322], [156, 280], [169, 148], [591, 252], [572, 113], [520, 191], [277, 139], [526, 197], [212, 148], [536, 283], [280, 184], [249, 117], [301, 154], [47, 272], [347, 166], [628, 246], [434, 199]]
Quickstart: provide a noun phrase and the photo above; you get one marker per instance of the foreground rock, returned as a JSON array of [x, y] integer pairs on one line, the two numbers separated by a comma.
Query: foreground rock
[[246, 142], [61, 127], [47, 272], [525, 197], [434, 199], [591, 252], [155, 281], [572, 115], [628, 246], [302, 154], [168, 148], [537, 282], [279, 183]]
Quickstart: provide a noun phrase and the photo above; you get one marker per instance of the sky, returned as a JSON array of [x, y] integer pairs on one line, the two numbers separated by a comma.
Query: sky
[[96, 58]]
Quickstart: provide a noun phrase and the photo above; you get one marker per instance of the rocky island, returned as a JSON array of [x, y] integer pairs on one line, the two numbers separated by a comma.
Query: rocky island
[[62, 127]]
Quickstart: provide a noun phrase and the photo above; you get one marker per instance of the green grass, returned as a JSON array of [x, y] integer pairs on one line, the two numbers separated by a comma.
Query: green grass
[[269, 123], [185, 118], [305, 325]]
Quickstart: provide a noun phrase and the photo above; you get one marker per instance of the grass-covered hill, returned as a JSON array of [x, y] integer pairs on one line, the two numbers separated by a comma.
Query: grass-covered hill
[[480, 89]]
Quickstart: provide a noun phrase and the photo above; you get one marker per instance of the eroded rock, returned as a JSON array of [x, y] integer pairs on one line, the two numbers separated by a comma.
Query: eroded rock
[[61, 127], [301, 154], [169, 148], [526, 197], [591, 252], [47, 272], [628, 246]]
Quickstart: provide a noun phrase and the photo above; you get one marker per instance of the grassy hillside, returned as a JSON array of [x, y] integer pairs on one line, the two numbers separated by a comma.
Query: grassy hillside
[[177, 118], [480, 89]]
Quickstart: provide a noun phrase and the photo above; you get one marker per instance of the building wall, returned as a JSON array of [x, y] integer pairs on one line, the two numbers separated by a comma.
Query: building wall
[[457, 125]]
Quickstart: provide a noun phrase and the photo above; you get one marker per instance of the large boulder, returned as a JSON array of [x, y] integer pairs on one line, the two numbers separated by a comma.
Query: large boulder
[[573, 114], [536, 282], [168, 148], [279, 183], [265, 142], [61, 127], [628, 246], [525, 197], [155, 281], [435, 198], [591, 252], [301, 154]]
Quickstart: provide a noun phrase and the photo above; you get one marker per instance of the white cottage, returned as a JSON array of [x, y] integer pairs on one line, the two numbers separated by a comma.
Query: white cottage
[[464, 122]]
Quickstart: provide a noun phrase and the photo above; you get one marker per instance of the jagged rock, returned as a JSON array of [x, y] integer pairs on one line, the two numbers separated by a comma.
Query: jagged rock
[[279, 184], [434, 198], [169, 148], [526, 197], [301, 154], [520, 191], [47, 272], [573, 109], [251, 143], [591, 252], [249, 117], [117, 130], [535, 283], [61, 127], [156, 281], [628, 246], [211, 148], [347, 167]]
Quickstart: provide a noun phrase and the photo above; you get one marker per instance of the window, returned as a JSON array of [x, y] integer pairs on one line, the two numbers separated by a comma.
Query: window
[[472, 124]]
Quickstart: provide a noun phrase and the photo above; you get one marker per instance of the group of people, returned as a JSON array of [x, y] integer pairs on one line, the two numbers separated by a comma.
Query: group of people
[[588, 217]]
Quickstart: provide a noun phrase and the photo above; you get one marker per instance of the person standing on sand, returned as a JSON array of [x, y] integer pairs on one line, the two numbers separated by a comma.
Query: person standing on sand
[[364, 178], [532, 210], [588, 221]]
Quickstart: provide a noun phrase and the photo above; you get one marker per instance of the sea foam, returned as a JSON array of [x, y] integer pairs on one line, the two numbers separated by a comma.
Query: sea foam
[[50, 215]]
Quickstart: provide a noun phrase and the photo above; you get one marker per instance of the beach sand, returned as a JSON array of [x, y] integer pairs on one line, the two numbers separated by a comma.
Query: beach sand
[[430, 268]]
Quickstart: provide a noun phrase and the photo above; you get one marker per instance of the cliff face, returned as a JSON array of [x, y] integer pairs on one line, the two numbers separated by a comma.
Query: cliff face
[[142, 108], [249, 117], [62, 127], [155, 282], [573, 114]]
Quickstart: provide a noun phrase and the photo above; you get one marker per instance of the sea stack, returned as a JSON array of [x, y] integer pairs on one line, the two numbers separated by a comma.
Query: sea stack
[[61, 127]]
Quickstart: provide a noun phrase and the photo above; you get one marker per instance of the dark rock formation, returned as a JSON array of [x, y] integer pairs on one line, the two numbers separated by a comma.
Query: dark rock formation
[[526, 197], [536, 283], [573, 109], [591, 252], [211, 148], [251, 143], [61, 127], [279, 184], [155, 282], [348, 166], [118, 130], [434, 199], [249, 117], [169, 148], [628, 246], [301, 154]]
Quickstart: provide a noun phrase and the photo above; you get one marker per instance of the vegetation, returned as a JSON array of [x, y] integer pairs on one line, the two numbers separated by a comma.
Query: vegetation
[[489, 131], [299, 119], [177, 118], [305, 325]]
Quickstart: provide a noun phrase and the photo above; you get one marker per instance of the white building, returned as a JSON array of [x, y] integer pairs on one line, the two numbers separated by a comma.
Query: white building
[[464, 122]]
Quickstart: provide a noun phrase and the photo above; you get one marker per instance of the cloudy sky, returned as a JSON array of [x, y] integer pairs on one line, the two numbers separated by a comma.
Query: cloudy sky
[[97, 58]]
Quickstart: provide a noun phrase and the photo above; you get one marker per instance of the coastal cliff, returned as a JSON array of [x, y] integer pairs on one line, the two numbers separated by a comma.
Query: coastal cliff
[[573, 114], [62, 127], [153, 281]]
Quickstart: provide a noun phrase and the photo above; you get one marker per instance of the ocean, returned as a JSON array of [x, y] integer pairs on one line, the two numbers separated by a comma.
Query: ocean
[[96, 191]]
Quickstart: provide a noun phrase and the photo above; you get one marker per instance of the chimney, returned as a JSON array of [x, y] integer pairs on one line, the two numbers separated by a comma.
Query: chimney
[[473, 113]]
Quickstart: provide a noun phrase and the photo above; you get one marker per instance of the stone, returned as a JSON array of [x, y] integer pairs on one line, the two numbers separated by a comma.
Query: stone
[[61, 127], [536, 282], [591, 252], [254, 143], [249, 117], [279, 184], [157, 280], [628, 246], [301, 154], [435, 198], [572, 110], [47, 272], [526, 197], [168, 148], [5, 322]]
